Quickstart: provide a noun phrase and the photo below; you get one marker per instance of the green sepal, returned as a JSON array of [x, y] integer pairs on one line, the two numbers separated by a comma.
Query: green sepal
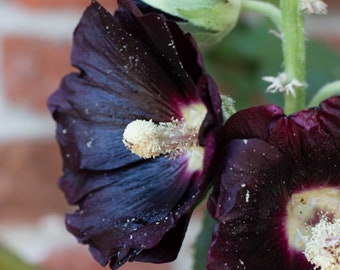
[[228, 107]]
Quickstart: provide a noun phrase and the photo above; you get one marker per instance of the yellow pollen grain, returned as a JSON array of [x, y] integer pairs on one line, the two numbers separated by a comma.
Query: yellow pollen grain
[[323, 246], [141, 137], [313, 226]]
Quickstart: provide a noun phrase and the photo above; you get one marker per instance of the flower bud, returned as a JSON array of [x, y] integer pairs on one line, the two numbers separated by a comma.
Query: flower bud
[[209, 21]]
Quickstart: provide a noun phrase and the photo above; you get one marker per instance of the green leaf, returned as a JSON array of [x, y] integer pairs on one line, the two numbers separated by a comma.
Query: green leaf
[[203, 242], [9, 261]]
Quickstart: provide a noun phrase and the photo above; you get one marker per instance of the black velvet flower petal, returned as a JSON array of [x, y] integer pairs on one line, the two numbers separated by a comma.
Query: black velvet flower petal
[[265, 118], [255, 189], [297, 153], [126, 208], [131, 66], [255, 122], [311, 138]]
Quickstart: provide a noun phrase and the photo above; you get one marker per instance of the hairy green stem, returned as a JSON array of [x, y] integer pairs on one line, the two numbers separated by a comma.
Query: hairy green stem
[[293, 42], [330, 89]]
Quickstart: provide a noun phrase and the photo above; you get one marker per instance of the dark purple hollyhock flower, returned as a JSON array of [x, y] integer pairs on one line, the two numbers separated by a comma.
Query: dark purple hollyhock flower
[[139, 76], [278, 199]]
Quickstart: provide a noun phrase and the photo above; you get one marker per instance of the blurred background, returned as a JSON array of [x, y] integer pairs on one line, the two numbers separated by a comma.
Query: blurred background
[[35, 42]]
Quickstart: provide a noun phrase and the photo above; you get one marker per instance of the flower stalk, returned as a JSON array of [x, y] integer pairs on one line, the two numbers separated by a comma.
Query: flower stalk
[[293, 44], [264, 9], [330, 89], [289, 19]]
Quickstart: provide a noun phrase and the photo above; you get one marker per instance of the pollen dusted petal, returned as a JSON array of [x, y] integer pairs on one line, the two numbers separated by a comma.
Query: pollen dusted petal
[[250, 210], [118, 208]]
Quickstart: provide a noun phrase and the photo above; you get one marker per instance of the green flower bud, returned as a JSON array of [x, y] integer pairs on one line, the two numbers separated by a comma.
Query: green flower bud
[[208, 20]]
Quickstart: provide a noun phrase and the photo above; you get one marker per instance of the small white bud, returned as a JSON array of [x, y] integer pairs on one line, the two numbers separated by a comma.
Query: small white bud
[[282, 84], [313, 7]]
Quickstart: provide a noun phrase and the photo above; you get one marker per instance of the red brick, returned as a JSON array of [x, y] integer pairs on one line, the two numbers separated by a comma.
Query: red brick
[[78, 257], [71, 258], [109, 4], [34, 68], [332, 4], [332, 40], [28, 181], [63, 4]]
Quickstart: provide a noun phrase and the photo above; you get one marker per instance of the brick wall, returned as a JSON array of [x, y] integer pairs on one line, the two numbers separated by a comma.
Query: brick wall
[[35, 40]]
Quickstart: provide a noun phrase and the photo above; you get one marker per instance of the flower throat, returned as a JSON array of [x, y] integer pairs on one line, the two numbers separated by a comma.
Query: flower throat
[[148, 139]]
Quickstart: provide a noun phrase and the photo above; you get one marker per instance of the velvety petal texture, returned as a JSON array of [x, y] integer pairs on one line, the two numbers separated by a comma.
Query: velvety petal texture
[[131, 66], [269, 157]]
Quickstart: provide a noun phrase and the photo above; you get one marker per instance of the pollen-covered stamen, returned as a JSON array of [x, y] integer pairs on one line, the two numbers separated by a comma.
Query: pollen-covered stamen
[[149, 140], [313, 226], [323, 246]]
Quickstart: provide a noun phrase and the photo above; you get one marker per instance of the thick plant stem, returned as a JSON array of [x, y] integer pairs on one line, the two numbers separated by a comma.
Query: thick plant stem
[[293, 42]]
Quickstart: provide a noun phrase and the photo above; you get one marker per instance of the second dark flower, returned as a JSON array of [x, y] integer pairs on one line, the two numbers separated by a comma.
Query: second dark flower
[[278, 199]]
